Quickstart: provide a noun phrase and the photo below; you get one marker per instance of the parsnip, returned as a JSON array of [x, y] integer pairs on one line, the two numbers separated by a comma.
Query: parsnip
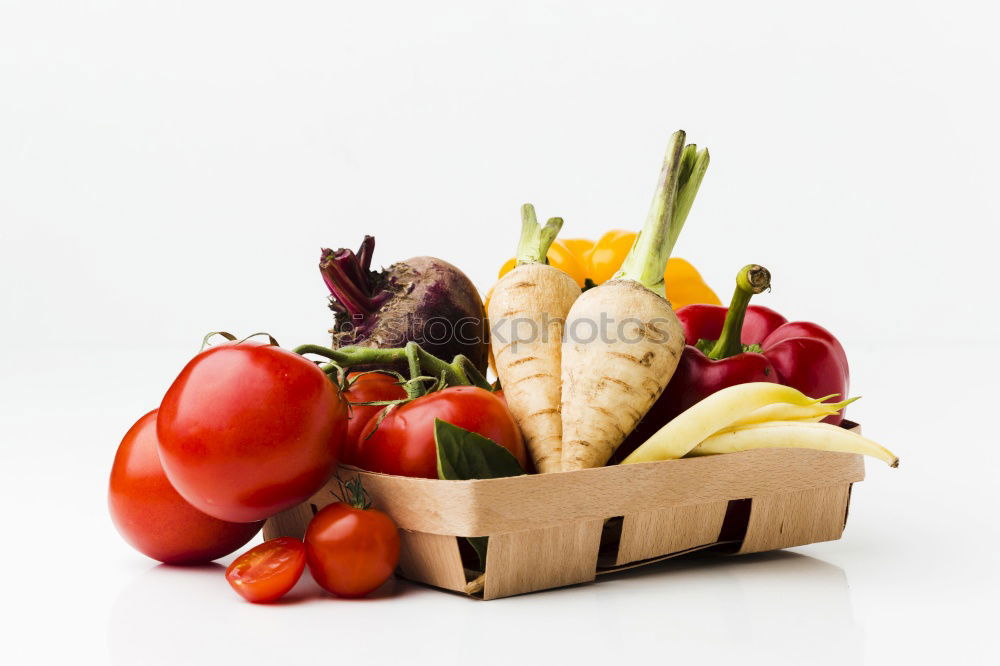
[[716, 412], [622, 340], [786, 411], [791, 434], [527, 311]]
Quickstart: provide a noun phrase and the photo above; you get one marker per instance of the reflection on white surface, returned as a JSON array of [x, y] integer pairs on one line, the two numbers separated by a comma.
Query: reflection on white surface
[[779, 607], [782, 606]]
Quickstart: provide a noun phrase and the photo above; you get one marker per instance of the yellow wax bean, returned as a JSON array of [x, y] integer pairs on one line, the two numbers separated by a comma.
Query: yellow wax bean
[[786, 411], [794, 435], [716, 412]]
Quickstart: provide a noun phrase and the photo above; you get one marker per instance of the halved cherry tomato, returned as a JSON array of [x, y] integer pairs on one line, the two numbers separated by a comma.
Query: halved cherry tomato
[[248, 430], [153, 517], [403, 443], [351, 551], [365, 387], [265, 573]]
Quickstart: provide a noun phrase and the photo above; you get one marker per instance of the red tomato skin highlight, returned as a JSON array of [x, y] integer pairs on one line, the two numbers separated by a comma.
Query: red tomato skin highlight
[[267, 572], [403, 443], [350, 551], [153, 518], [249, 430]]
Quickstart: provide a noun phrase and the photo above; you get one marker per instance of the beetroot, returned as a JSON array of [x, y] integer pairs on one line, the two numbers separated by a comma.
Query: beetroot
[[423, 299]]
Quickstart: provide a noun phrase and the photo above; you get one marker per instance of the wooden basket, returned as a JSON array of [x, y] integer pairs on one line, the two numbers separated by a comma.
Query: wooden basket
[[551, 530]]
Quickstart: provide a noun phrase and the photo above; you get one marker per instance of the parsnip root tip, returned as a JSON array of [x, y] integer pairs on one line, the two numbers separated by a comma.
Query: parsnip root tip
[[476, 585]]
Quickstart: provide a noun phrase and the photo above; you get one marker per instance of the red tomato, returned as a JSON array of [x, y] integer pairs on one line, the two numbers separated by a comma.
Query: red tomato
[[403, 443], [267, 572], [153, 517], [351, 551], [248, 430], [366, 387]]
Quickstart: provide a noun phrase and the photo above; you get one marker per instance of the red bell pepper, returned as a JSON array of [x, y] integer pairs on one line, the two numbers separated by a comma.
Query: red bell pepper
[[745, 344]]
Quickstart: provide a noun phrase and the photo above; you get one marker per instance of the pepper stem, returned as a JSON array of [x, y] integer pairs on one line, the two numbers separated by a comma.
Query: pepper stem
[[680, 177], [535, 240], [752, 279]]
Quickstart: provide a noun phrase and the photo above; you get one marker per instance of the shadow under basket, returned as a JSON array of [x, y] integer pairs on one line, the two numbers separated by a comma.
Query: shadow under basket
[[552, 530]]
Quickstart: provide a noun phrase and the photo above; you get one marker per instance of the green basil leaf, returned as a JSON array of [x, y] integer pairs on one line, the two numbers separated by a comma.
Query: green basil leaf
[[463, 455]]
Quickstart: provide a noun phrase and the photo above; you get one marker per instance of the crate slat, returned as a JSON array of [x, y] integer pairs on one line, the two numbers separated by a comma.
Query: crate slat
[[289, 523], [796, 519], [649, 534], [533, 560], [431, 558]]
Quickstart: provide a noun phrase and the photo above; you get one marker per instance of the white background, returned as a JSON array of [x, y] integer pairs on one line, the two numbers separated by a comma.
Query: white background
[[167, 169]]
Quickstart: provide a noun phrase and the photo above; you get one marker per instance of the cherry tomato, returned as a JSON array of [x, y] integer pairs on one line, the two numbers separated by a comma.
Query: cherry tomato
[[153, 517], [265, 573], [248, 430], [403, 443], [366, 387], [351, 551]]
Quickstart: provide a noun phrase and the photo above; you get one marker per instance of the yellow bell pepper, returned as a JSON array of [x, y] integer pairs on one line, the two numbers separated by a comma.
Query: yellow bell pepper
[[598, 261]]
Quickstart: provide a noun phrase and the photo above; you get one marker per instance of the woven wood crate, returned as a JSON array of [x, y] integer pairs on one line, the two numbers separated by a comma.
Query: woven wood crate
[[552, 530]]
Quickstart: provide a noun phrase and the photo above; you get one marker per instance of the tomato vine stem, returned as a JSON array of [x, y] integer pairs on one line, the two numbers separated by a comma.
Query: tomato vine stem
[[460, 372]]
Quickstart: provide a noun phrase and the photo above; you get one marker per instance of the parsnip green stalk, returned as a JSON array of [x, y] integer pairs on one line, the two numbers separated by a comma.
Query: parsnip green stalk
[[527, 312], [623, 340], [716, 412], [794, 435]]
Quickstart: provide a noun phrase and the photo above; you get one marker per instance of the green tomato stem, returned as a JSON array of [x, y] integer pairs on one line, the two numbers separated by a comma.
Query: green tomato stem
[[460, 372], [414, 389], [475, 377], [752, 279]]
